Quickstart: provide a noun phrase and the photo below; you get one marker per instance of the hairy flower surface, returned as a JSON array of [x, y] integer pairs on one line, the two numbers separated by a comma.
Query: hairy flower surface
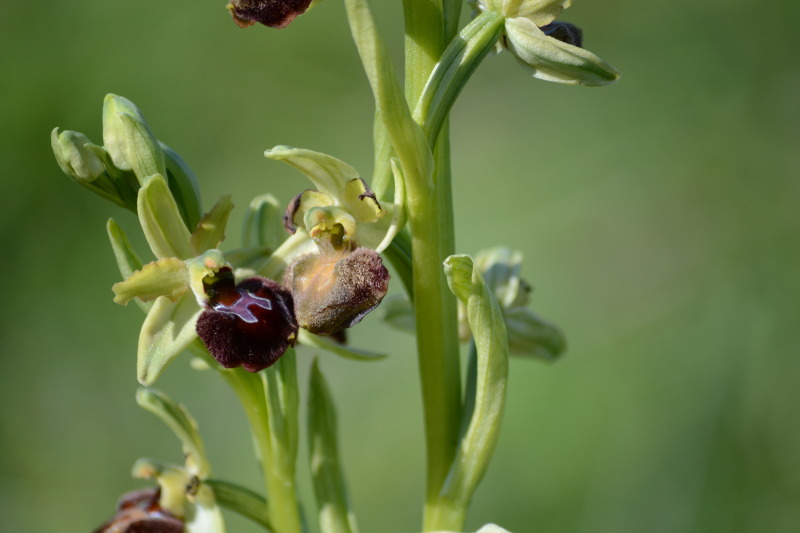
[[272, 13], [250, 325]]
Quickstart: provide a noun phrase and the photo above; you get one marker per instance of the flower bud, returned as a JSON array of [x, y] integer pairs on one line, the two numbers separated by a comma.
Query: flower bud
[[272, 13], [76, 156], [129, 140], [251, 324], [333, 290], [140, 512]]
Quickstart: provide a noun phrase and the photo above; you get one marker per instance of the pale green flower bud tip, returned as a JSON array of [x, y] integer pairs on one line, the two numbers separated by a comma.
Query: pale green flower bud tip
[[129, 140], [75, 156]]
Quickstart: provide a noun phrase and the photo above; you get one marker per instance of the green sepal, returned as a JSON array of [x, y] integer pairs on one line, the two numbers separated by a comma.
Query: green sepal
[[335, 512], [183, 185], [398, 211], [459, 60], [549, 59], [481, 423], [168, 330], [240, 500], [161, 221], [129, 140], [531, 335], [178, 419], [541, 12], [408, 139], [328, 174], [210, 231], [263, 224], [501, 267], [128, 260], [165, 277], [398, 313], [306, 338]]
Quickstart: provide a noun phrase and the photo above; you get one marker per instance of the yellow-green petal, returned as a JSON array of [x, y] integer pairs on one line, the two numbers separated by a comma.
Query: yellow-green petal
[[166, 277]]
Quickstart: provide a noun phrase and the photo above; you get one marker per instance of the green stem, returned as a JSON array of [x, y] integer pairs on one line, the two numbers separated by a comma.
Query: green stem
[[282, 505], [433, 239]]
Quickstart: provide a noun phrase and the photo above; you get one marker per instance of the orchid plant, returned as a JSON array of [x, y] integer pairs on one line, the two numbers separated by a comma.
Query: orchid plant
[[307, 272]]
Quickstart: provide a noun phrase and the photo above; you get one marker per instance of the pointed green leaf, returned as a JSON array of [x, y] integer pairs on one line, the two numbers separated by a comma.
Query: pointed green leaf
[[166, 277], [549, 59], [210, 231], [168, 330], [307, 338], [128, 260], [481, 425], [183, 185], [178, 419], [335, 513], [161, 221], [263, 223], [327, 173]]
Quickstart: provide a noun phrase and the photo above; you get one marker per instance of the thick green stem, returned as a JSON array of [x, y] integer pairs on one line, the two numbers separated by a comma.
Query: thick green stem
[[433, 239]]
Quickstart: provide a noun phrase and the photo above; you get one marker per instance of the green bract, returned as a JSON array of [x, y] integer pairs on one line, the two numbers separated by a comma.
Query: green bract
[[546, 57]]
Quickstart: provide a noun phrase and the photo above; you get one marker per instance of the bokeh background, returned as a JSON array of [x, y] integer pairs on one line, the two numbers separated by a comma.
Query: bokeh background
[[659, 220]]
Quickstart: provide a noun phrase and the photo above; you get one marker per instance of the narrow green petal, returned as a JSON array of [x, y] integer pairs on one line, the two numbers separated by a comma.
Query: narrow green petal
[[161, 221], [128, 260], [168, 330], [335, 514], [165, 277], [210, 231], [328, 174], [481, 425], [178, 419], [306, 338], [398, 218], [552, 60]]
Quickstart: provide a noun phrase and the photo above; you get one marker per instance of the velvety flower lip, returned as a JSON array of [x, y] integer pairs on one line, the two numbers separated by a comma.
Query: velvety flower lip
[[250, 324], [272, 13]]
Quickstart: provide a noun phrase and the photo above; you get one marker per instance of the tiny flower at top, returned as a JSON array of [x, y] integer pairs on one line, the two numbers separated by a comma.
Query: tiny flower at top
[[549, 50], [272, 13]]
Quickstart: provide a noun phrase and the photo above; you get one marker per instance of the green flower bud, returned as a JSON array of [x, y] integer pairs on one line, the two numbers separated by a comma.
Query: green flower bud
[[76, 155], [129, 140]]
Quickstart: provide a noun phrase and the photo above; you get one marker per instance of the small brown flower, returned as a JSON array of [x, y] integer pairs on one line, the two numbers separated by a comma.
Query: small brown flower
[[335, 289], [272, 13], [140, 512], [251, 324]]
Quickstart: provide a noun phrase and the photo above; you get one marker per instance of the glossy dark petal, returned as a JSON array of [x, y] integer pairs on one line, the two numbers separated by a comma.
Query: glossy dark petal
[[140, 512], [329, 298], [252, 327], [272, 13], [564, 32]]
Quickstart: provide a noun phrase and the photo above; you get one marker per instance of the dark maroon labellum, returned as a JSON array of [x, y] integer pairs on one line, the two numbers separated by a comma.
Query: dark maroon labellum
[[249, 325], [140, 512], [272, 13], [564, 32]]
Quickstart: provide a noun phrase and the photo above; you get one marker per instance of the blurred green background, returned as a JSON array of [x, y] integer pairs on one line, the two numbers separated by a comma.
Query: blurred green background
[[658, 217]]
